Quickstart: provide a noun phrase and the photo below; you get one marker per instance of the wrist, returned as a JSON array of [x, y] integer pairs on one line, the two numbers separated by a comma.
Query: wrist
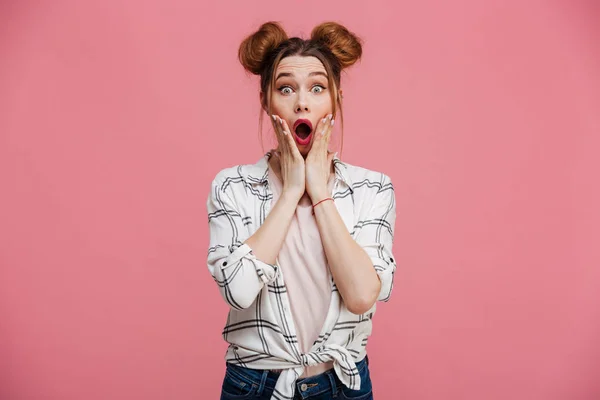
[[315, 198], [289, 197], [324, 199], [320, 203]]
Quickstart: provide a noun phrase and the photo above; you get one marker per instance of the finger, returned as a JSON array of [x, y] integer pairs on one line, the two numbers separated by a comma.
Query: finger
[[325, 130], [281, 133], [323, 123], [284, 127], [289, 138], [319, 130], [285, 131], [329, 130], [284, 137], [277, 127]]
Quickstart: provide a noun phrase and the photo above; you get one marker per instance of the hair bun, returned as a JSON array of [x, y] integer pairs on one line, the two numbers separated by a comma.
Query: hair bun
[[254, 48], [345, 45]]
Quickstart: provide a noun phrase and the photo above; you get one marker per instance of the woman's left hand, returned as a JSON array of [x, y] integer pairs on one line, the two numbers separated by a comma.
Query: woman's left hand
[[318, 161]]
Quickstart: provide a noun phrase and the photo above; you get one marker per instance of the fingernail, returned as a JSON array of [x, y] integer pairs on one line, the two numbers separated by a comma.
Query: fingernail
[[274, 117], [330, 116], [332, 121], [324, 119]]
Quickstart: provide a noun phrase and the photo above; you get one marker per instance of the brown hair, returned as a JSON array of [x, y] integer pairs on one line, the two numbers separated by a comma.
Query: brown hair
[[334, 45]]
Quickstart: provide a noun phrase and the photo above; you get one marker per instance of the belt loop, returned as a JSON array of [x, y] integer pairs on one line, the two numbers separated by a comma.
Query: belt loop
[[263, 381], [333, 383]]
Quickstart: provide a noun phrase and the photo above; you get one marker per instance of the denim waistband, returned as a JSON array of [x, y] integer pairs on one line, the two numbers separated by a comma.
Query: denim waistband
[[308, 386]]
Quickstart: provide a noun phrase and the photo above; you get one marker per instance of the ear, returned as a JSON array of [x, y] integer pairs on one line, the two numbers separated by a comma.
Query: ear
[[341, 94]]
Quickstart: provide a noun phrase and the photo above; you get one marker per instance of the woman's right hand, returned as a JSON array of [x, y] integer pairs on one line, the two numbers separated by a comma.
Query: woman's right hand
[[291, 161]]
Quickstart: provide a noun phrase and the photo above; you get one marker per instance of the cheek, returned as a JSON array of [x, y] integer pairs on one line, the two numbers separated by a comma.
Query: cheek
[[279, 108], [275, 107], [275, 103], [323, 105]]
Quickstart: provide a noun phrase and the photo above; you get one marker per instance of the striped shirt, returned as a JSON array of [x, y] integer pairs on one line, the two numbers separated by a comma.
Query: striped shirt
[[259, 328]]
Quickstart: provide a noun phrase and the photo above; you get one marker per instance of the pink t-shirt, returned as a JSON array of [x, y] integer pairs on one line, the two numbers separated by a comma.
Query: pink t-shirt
[[306, 273]]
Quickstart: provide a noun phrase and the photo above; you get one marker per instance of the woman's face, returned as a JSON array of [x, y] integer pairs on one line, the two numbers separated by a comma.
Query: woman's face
[[301, 92]]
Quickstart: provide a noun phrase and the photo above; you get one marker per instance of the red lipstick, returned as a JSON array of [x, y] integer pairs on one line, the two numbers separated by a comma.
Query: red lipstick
[[306, 140]]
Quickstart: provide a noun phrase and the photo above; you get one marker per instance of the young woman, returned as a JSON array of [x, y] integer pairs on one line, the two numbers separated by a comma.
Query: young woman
[[300, 242]]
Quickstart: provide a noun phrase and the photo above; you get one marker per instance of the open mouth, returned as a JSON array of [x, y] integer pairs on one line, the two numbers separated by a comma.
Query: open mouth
[[303, 131]]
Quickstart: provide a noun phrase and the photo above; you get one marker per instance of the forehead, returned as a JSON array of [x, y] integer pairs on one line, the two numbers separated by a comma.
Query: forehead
[[300, 65]]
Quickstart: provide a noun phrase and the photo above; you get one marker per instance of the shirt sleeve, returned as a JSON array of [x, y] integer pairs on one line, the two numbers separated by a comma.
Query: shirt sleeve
[[376, 235], [236, 270]]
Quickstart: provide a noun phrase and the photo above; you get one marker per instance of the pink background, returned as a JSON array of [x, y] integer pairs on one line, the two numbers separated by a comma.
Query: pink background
[[115, 116]]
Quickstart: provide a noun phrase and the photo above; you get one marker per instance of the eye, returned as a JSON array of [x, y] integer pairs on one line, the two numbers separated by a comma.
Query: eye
[[322, 88], [283, 89]]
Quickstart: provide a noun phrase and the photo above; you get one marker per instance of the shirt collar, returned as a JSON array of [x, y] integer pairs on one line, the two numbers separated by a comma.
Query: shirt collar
[[259, 172]]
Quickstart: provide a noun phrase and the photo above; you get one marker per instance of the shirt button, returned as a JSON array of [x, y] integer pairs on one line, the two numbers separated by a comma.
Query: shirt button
[[303, 387], [391, 259], [224, 263]]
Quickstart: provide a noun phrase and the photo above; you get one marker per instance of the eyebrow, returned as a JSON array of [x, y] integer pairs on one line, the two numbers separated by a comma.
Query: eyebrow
[[283, 74]]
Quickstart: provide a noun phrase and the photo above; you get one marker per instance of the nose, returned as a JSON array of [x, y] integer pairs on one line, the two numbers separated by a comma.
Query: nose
[[301, 104]]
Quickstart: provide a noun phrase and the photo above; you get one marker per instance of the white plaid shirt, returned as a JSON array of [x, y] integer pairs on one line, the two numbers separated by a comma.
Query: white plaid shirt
[[260, 329]]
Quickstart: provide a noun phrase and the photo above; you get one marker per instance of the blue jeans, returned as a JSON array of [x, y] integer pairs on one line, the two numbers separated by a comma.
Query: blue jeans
[[246, 383]]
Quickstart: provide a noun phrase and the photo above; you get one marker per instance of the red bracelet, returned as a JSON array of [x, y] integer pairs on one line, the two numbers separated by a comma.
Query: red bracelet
[[329, 198]]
